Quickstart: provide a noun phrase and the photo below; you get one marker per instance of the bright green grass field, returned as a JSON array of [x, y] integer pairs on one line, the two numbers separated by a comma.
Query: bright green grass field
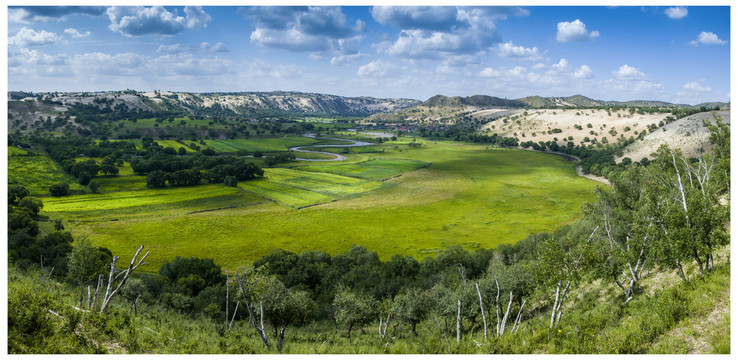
[[468, 196], [259, 144], [36, 173], [377, 169]]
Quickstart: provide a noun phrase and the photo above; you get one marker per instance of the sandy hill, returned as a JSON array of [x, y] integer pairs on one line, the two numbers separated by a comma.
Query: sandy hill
[[580, 126], [687, 134]]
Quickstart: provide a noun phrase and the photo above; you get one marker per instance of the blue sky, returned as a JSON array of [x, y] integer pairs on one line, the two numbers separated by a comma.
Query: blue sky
[[676, 54]]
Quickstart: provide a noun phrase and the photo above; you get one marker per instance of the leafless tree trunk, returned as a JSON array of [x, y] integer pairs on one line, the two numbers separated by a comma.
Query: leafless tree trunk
[[556, 311], [484, 317], [280, 339], [383, 332], [234, 315], [497, 307], [134, 309], [97, 292], [260, 330], [88, 296], [516, 325], [462, 273], [226, 304], [458, 322], [504, 318], [110, 293]]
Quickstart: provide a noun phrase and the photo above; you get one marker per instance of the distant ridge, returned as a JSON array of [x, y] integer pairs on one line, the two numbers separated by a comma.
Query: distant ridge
[[476, 101]]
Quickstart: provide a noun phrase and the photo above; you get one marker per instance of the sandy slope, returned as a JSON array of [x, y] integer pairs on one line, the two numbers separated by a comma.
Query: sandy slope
[[535, 125], [687, 134]]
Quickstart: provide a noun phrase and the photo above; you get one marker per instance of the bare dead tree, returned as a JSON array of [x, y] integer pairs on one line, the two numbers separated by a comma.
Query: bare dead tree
[[516, 325], [260, 329], [462, 273], [458, 322], [383, 331], [497, 307], [226, 300], [504, 318], [97, 292], [234, 315], [481, 307], [110, 293]]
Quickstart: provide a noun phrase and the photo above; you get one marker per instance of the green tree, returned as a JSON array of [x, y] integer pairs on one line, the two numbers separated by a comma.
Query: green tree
[[31, 204], [411, 305], [93, 186], [16, 193], [353, 310], [156, 179], [86, 261], [59, 189], [284, 307]]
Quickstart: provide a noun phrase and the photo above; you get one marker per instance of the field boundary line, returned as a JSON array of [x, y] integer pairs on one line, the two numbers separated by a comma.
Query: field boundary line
[[230, 207]]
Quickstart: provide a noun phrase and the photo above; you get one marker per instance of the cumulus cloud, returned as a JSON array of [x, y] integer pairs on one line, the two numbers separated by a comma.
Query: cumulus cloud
[[696, 86], [75, 34], [628, 72], [436, 32], [574, 31], [630, 81], [36, 14], [584, 72], [133, 21], [677, 12], [30, 37], [218, 47], [378, 68], [346, 59], [562, 65], [174, 48], [302, 29], [416, 17], [508, 49], [707, 38]]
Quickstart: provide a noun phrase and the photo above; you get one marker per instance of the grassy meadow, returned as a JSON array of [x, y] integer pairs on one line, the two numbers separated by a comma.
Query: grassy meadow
[[449, 193], [36, 173]]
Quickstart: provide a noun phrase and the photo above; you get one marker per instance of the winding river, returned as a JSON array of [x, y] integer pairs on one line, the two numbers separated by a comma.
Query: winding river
[[337, 157]]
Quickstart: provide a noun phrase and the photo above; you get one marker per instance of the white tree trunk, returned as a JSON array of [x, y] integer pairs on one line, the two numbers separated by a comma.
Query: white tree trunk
[[133, 266], [556, 302], [504, 319], [516, 325], [497, 307], [481, 306], [458, 322]]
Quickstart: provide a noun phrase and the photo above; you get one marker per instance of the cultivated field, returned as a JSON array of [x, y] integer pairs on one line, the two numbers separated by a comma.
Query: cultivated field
[[448, 193]]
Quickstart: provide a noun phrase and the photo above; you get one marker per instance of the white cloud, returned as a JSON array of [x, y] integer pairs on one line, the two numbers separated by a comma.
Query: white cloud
[[677, 12], [291, 39], [630, 83], [584, 72], [315, 29], [76, 34], [174, 48], [133, 21], [707, 38], [218, 47], [434, 33], [562, 65], [508, 49], [574, 31], [695, 86], [30, 37], [346, 59], [628, 72], [378, 68]]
